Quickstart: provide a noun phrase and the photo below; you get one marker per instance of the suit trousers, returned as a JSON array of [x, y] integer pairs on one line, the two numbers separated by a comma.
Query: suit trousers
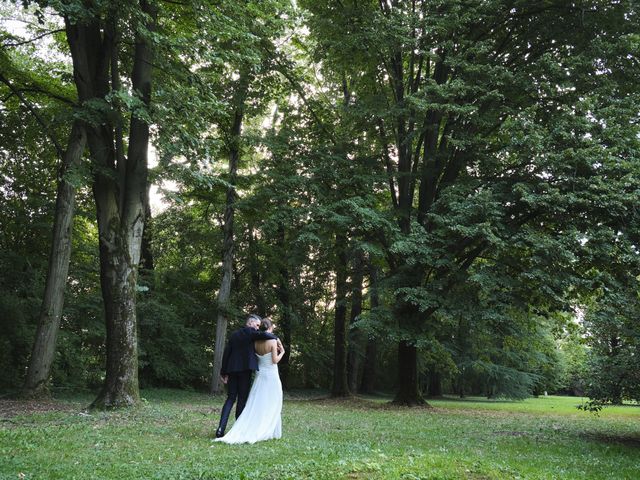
[[238, 387]]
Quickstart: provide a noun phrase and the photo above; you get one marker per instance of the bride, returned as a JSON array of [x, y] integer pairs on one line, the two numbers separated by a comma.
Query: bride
[[260, 419]]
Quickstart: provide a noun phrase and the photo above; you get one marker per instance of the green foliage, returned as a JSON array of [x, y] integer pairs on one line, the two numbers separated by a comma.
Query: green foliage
[[614, 339], [502, 127], [511, 155], [27, 196]]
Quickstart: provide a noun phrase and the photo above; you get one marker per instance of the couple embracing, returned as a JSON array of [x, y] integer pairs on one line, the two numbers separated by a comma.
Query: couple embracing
[[258, 410]]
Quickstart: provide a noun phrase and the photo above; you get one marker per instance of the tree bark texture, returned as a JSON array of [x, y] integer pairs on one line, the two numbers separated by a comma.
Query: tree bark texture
[[44, 345], [119, 189], [224, 293]]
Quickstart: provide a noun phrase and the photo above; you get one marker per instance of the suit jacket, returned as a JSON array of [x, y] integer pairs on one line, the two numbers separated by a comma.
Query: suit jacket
[[239, 354]]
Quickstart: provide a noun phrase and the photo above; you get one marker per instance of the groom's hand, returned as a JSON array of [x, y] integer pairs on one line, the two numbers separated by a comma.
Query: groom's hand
[[224, 378]]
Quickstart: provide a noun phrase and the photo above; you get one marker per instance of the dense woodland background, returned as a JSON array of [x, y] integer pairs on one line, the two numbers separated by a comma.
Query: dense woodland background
[[429, 197]]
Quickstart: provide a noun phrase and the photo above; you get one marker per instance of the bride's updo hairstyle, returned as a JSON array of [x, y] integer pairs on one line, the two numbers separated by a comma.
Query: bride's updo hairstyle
[[266, 324]]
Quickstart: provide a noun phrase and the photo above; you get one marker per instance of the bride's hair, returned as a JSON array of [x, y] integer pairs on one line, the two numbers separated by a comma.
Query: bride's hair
[[265, 324]]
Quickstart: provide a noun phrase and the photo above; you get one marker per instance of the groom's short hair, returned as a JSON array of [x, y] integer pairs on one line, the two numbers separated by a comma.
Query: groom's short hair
[[253, 318]]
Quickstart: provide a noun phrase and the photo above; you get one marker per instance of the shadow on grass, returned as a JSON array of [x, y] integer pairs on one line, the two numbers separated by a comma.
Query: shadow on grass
[[14, 408], [361, 403], [625, 440], [452, 398]]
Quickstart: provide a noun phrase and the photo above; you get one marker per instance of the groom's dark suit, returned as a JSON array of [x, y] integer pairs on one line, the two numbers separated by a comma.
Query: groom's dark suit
[[238, 363]]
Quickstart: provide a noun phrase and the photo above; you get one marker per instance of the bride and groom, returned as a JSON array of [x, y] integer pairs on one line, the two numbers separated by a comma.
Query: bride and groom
[[259, 406]]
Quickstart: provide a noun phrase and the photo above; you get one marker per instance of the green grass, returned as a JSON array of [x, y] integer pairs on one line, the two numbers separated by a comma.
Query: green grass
[[169, 437]]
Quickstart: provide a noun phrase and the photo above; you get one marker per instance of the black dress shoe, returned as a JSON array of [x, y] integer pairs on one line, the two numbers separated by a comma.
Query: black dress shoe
[[219, 433]]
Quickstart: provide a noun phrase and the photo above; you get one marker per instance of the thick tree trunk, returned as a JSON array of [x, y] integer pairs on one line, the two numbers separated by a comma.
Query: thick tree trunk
[[340, 386], [121, 216], [409, 140], [44, 346], [120, 236], [224, 293], [119, 188], [356, 336], [369, 372], [118, 277], [407, 392]]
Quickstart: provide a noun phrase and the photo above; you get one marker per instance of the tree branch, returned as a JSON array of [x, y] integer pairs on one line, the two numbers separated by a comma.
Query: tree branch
[[387, 161], [46, 128], [49, 94], [31, 40], [298, 88]]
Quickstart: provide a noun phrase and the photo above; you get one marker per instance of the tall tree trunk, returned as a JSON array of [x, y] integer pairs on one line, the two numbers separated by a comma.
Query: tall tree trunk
[[284, 297], [44, 345], [369, 371], [119, 189], [340, 387], [407, 392], [121, 216], [463, 344], [224, 293], [118, 278], [254, 272], [356, 336]]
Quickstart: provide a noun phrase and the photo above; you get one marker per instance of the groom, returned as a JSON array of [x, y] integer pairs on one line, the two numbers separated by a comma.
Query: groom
[[238, 364]]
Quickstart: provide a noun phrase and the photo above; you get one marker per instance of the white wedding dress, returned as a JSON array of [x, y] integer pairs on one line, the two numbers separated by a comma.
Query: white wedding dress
[[261, 417]]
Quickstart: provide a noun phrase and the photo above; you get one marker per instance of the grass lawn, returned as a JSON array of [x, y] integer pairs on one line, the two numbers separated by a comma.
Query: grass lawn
[[169, 437]]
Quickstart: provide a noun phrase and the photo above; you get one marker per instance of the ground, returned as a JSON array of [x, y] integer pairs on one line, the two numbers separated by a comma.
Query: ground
[[170, 436]]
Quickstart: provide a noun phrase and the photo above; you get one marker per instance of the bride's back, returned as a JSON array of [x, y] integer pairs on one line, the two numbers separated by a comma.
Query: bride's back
[[263, 346]]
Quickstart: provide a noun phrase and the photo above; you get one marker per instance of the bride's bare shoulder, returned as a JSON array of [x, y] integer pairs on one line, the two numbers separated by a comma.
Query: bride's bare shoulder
[[264, 346]]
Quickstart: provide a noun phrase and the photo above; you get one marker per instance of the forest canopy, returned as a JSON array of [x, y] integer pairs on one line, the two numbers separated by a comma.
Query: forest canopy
[[428, 197]]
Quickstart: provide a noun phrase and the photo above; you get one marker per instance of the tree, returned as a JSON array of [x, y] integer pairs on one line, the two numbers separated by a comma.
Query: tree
[[480, 155], [119, 181], [447, 86], [227, 258], [613, 338], [44, 346]]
